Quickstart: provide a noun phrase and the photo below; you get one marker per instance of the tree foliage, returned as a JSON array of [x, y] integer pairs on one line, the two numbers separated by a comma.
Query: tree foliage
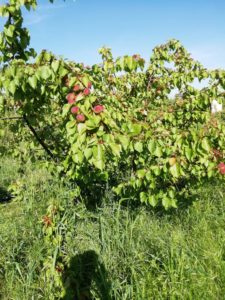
[[118, 123]]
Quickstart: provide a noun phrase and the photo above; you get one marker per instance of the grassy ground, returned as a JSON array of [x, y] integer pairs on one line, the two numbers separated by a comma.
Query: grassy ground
[[112, 252]]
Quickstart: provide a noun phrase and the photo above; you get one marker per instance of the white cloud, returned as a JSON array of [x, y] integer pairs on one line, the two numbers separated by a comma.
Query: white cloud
[[43, 12], [35, 19], [50, 6]]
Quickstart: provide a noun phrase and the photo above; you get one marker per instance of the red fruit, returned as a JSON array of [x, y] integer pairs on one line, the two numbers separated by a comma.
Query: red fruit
[[71, 98], [98, 109], [86, 91], [80, 118], [76, 88], [74, 110], [136, 57], [89, 85], [221, 167]]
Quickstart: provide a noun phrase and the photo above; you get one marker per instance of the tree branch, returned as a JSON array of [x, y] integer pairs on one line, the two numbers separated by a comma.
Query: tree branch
[[11, 118], [42, 143]]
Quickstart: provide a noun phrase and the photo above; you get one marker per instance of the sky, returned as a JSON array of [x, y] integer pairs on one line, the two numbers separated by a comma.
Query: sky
[[76, 29]]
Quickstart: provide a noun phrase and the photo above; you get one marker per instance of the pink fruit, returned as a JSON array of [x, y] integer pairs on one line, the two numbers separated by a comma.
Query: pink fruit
[[80, 118], [98, 109], [86, 91], [136, 57], [71, 98], [221, 167], [89, 85], [76, 88], [74, 110]]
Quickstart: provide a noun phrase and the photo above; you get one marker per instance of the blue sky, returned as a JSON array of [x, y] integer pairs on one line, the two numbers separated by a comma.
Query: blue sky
[[76, 29]]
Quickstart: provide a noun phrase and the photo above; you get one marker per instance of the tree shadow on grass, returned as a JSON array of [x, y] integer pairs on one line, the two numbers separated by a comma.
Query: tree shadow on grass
[[5, 196], [84, 274]]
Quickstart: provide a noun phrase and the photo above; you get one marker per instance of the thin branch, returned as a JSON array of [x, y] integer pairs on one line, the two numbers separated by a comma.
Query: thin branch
[[11, 118], [42, 143]]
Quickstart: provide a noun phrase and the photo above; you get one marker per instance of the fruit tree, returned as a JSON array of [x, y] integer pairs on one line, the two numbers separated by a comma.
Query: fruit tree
[[143, 129]]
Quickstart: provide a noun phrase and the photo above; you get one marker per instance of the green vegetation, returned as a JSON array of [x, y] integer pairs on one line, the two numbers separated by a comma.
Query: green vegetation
[[109, 252], [86, 154], [117, 123]]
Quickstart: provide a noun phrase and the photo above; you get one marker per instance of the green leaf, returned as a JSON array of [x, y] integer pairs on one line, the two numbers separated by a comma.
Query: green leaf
[[33, 81], [98, 152], [85, 80], [3, 11], [12, 87], [138, 147], [166, 202], [65, 110], [99, 157], [158, 151], [188, 153], [120, 64], [118, 189], [175, 170], [88, 153], [70, 124], [62, 71], [79, 97], [81, 127], [143, 197], [156, 170], [141, 173], [211, 169], [74, 148], [44, 72], [10, 30], [152, 146], [116, 148], [130, 63], [93, 123], [2, 132], [47, 56], [70, 128], [152, 200], [135, 129], [78, 158], [206, 145], [55, 65], [124, 140], [99, 164], [171, 193]]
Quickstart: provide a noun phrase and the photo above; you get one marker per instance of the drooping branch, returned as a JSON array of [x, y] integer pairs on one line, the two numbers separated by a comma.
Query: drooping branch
[[41, 142]]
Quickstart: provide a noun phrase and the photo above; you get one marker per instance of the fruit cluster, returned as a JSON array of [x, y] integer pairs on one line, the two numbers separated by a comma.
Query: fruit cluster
[[79, 92]]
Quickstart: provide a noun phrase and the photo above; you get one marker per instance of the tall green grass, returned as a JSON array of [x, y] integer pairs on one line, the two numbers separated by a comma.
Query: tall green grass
[[113, 251]]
